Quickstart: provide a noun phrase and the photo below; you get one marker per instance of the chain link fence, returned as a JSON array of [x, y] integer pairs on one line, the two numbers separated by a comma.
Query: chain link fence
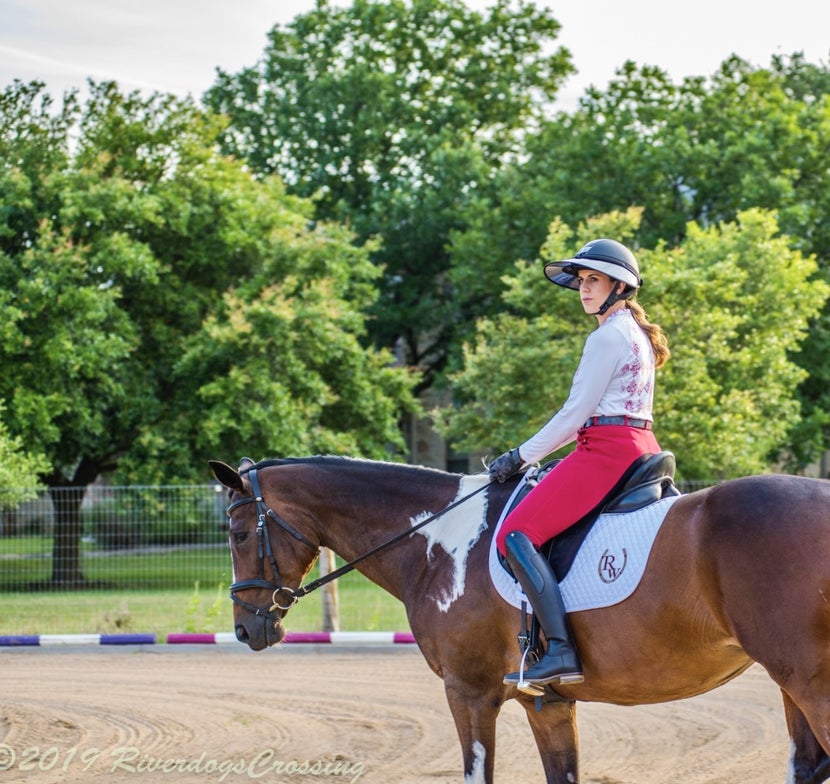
[[147, 559], [137, 537]]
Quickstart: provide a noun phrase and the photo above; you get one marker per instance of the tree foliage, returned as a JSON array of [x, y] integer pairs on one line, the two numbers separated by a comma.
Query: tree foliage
[[431, 127], [133, 251], [735, 301], [161, 306], [390, 115], [19, 469], [699, 152], [390, 162]]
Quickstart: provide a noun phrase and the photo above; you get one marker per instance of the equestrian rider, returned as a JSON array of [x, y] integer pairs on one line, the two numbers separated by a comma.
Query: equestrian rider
[[608, 413]]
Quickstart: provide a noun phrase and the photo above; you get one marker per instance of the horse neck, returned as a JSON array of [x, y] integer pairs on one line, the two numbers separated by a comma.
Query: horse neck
[[357, 506]]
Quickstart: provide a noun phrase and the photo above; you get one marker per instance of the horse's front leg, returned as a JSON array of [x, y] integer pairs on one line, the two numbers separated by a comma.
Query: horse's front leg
[[554, 728], [474, 711]]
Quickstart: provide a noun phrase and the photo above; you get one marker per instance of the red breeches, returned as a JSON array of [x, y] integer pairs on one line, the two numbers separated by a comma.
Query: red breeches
[[579, 482]]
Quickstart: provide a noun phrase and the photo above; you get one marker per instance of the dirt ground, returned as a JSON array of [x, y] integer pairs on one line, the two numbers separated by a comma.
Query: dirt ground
[[223, 713]]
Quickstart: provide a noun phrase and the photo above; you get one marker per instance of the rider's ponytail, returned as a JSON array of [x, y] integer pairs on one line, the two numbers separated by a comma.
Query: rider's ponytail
[[656, 336]]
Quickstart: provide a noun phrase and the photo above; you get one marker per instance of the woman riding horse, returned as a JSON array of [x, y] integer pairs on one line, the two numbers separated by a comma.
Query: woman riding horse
[[609, 414]]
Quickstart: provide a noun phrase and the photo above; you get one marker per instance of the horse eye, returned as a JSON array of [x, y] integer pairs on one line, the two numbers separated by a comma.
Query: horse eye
[[240, 537]]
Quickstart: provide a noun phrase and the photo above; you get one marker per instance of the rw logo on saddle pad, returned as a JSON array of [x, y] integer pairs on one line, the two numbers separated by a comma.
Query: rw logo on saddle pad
[[610, 562], [609, 567]]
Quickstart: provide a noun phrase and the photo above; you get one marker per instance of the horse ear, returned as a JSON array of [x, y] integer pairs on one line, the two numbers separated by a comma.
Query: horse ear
[[245, 463], [226, 475]]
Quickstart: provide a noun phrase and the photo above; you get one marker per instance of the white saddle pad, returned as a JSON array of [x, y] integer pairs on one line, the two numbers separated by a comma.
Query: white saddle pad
[[610, 562]]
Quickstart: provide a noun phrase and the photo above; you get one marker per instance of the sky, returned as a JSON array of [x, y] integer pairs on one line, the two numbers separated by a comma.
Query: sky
[[176, 45]]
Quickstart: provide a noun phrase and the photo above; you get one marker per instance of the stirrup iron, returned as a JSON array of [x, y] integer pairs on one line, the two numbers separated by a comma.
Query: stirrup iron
[[527, 687]]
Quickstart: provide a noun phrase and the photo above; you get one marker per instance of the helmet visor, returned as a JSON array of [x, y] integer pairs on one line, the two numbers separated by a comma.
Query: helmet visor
[[564, 273]]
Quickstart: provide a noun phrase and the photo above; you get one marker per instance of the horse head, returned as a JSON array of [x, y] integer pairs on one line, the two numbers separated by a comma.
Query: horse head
[[270, 557]]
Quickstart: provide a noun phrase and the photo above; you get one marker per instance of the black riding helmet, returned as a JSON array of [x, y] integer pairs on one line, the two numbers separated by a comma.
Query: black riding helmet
[[602, 255]]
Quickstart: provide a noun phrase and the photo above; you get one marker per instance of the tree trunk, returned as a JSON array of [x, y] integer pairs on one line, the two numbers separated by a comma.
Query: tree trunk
[[66, 541]]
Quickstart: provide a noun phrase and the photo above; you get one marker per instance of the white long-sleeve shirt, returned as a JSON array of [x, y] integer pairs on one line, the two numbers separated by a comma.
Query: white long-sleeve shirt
[[615, 377]]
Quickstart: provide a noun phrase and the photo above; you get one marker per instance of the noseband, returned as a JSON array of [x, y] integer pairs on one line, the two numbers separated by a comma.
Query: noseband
[[264, 513]]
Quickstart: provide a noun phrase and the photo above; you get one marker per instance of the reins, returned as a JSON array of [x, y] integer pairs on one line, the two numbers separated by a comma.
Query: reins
[[264, 512], [348, 567]]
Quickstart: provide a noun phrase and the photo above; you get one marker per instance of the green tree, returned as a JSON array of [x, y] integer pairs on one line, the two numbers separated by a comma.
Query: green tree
[[18, 470], [698, 152], [724, 403], [701, 150], [119, 258], [279, 366], [390, 115]]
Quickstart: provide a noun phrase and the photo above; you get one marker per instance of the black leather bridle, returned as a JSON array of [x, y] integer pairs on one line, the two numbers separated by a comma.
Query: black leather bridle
[[264, 551]]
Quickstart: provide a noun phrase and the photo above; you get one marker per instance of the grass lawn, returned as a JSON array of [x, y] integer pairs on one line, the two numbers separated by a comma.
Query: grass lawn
[[363, 607], [164, 592]]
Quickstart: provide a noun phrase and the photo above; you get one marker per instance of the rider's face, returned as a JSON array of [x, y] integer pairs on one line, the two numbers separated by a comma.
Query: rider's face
[[594, 289]]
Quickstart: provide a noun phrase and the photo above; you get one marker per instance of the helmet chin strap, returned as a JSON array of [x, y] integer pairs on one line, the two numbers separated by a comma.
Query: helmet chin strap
[[615, 297]]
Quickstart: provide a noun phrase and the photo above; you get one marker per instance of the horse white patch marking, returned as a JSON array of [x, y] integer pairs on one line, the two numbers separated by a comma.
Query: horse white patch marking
[[456, 532], [233, 565], [476, 775]]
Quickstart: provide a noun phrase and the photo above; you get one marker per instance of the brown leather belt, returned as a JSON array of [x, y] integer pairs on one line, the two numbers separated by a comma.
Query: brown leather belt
[[642, 424]]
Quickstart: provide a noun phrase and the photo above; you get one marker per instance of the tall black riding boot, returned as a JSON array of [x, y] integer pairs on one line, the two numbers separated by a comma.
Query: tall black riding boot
[[560, 664]]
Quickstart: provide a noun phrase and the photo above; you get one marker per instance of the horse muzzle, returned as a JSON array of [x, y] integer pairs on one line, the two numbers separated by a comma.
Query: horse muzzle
[[261, 626], [260, 631]]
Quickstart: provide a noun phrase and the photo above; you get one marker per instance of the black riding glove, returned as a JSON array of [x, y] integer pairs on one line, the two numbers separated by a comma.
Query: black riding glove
[[504, 466]]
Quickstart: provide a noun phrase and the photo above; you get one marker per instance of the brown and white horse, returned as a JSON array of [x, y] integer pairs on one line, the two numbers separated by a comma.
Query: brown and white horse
[[739, 573]]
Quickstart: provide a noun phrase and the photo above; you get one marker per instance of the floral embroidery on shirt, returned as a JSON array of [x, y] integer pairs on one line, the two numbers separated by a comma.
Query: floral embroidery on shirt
[[635, 376]]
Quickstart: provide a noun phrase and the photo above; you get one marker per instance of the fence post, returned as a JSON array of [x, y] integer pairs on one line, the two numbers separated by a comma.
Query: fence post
[[331, 602]]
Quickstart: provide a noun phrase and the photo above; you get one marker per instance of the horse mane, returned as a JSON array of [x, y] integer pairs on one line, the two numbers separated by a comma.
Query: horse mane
[[345, 462]]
